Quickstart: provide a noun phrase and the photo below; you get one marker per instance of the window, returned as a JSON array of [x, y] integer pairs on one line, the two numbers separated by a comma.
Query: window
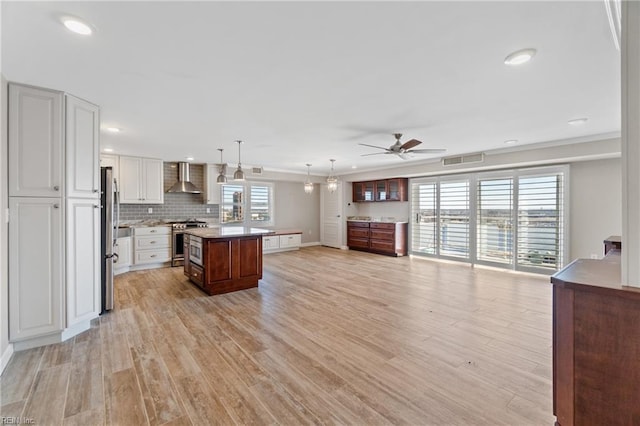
[[454, 218], [540, 221], [512, 219], [495, 220], [247, 204]]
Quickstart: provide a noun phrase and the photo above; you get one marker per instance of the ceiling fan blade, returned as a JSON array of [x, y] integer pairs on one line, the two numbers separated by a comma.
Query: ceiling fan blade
[[410, 144], [402, 155], [375, 153], [373, 146], [426, 151]]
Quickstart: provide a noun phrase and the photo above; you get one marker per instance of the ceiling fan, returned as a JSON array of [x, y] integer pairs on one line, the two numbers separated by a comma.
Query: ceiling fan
[[402, 149]]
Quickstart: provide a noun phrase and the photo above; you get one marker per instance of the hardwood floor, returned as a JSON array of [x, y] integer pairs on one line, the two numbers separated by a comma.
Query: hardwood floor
[[330, 336]]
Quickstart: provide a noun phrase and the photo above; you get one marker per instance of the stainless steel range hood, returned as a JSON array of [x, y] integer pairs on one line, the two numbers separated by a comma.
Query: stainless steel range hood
[[184, 184]]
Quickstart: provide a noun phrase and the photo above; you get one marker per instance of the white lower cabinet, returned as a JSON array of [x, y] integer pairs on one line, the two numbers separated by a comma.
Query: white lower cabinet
[[124, 252], [152, 245], [290, 241], [83, 260], [35, 267], [270, 242], [285, 242]]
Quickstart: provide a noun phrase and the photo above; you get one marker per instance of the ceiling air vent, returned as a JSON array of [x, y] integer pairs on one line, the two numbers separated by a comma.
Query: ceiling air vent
[[463, 159], [256, 170]]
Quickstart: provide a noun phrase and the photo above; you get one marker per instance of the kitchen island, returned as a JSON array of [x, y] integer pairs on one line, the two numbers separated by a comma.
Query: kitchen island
[[224, 259]]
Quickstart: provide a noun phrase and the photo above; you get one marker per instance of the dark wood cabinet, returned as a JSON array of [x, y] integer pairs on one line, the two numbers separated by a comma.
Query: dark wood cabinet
[[596, 345], [185, 248], [381, 190], [228, 264], [378, 237]]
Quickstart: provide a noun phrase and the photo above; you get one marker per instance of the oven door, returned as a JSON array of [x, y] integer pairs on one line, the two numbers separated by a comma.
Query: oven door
[[195, 250]]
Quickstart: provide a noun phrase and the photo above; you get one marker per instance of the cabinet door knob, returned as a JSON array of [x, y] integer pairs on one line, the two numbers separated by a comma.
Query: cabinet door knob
[[56, 206], [152, 242], [153, 230], [95, 191], [56, 188], [153, 255], [95, 206]]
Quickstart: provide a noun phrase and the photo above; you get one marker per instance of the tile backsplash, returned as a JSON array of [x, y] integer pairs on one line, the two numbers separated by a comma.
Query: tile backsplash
[[177, 206]]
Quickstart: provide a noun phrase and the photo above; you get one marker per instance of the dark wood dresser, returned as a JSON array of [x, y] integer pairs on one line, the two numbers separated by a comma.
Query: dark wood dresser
[[596, 344]]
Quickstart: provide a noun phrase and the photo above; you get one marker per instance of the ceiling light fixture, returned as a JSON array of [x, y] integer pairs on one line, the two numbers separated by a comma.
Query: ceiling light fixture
[[520, 57], [113, 129], [308, 185], [511, 141], [577, 121], [77, 26], [222, 178], [238, 174], [189, 158], [332, 181], [108, 150]]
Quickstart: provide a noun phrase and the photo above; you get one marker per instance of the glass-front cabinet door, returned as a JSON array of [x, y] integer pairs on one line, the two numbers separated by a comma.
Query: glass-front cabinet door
[[382, 192], [394, 188]]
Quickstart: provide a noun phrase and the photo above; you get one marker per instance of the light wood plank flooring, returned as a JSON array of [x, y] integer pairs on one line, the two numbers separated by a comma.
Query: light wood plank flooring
[[330, 337]]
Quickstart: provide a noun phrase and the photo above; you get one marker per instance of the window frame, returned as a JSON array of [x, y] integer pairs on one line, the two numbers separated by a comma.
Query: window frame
[[473, 193], [246, 204]]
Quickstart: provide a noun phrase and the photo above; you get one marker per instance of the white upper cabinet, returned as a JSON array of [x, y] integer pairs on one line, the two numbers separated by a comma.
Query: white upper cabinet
[[141, 180], [109, 160], [211, 186], [82, 148], [35, 142]]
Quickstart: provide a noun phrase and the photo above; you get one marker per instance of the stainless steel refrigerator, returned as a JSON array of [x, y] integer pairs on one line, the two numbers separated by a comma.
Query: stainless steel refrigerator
[[109, 231]]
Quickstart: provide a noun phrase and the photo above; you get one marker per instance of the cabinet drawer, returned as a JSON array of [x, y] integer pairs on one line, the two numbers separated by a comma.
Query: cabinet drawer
[[153, 230], [270, 243], [153, 242], [358, 233], [357, 224], [152, 256], [386, 246], [293, 240], [196, 274], [358, 242], [381, 225], [383, 234]]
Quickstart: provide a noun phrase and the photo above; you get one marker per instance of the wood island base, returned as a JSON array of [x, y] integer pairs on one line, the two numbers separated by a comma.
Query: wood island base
[[229, 263]]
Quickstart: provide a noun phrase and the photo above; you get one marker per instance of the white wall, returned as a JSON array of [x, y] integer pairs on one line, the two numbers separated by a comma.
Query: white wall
[[596, 205], [5, 349], [296, 209]]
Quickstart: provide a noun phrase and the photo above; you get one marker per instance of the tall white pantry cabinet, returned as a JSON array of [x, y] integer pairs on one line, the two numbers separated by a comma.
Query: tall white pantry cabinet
[[54, 215]]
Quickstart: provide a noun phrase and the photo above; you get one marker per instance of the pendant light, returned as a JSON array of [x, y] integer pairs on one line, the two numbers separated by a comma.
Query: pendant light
[[332, 181], [222, 178], [308, 185], [238, 174]]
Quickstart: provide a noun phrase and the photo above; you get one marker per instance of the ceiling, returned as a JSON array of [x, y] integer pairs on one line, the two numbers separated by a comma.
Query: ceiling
[[303, 82]]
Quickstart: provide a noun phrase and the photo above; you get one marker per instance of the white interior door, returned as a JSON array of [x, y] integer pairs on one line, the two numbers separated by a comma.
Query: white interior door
[[332, 220]]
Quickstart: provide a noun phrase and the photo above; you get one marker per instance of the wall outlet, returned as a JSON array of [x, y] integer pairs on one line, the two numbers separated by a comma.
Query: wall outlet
[[208, 210], [150, 210]]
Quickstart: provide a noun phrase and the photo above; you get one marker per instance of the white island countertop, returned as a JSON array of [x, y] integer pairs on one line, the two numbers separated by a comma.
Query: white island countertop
[[227, 232]]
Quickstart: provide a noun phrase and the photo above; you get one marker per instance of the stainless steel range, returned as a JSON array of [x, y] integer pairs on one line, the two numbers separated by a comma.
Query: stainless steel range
[[177, 234]]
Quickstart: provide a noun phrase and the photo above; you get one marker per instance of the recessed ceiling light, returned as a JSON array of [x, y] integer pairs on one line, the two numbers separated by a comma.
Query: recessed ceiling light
[[577, 121], [189, 158], [511, 141], [113, 129], [108, 150], [354, 167], [520, 57], [77, 26]]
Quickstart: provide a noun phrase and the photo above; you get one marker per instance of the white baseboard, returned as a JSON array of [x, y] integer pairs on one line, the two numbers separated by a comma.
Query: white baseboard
[[6, 357], [313, 243], [50, 339]]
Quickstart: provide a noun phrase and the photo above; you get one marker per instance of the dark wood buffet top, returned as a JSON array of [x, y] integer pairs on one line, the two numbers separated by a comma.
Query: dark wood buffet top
[[596, 275]]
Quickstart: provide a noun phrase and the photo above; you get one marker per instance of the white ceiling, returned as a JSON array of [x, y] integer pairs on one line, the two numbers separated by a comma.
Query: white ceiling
[[303, 82]]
